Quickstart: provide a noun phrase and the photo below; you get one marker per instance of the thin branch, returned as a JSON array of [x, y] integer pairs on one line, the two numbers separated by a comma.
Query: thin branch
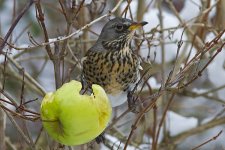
[[40, 18], [31, 79], [208, 141], [15, 22], [26, 139], [2, 128], [58, 39], [202, 128], [162, 120]]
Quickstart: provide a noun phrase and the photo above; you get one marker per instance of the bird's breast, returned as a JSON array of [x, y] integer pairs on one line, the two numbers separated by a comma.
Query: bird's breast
[[114, 70]]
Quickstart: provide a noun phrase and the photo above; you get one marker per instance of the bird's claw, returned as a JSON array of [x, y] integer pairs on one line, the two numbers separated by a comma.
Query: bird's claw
[[100, 139], [86, 91], [86, 88], [132, 103]]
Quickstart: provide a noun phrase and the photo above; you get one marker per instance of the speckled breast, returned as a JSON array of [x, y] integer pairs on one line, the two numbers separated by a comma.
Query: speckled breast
[[115, 71]]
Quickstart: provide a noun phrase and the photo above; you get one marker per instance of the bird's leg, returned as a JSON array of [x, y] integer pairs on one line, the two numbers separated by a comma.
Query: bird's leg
[[132, 101], [101, 138], [86, 87]]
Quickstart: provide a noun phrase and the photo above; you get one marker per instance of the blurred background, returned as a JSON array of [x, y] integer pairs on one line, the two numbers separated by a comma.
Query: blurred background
[[183, 60]]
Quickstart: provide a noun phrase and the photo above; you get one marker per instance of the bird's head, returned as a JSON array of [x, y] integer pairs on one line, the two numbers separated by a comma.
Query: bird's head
[[117, 33]]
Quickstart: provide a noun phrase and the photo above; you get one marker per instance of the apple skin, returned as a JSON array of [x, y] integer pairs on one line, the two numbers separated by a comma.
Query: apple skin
[[74, 119]]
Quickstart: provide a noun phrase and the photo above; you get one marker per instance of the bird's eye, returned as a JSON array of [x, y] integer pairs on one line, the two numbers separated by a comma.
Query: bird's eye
[[119, 27]]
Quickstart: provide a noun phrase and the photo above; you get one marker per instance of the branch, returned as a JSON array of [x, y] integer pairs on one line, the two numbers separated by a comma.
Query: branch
[[208, 141], [58, 39], [2, 128], [40, 18], [31, 79], [182, 136], [26, 139], [14, 24]]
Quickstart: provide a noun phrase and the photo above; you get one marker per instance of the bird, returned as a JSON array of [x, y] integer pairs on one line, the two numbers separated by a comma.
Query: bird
[[111, 63]]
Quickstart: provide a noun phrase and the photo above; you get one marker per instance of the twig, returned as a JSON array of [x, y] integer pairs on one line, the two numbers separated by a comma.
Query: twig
[[155, 108], [39, 135], [58, 39], [208, 141], [31, 79], [26, 139], [178, 78], [200, 42], [10, 144], [182, 136], [57, 56], [117, 119], [140, 115], [57, 64], [163, 64], [33, 118], [162, 120], [4, 71], [212, 90], [40, 18], [2, 128], [25, 9], [194, 94]]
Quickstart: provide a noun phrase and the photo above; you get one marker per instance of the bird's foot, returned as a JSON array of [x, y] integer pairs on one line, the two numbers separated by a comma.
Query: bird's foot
[[100, 138], [86, 88], [86, 91], [132, 102]]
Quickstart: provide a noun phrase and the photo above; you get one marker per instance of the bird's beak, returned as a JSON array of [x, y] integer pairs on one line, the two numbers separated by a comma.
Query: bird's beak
[[137, 25]]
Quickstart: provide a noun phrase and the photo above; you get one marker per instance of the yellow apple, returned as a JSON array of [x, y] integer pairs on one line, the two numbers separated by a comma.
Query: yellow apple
[[73, 119]]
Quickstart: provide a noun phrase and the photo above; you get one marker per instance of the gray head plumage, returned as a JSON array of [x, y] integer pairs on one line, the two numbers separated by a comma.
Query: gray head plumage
[[117, 33], [115, 28]]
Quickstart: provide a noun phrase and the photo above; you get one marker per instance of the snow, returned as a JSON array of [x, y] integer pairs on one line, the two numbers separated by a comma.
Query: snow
[[11, 53], [194, 6], [216, 72], [133, 8], [87, 1], [199, 91], [9, 106], [153, 82], [178, 124], [216, 67], [117, 144], [117, 99], [171, 36]]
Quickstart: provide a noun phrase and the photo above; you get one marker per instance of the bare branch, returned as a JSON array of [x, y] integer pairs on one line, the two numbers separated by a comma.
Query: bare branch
[[26, 8]]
